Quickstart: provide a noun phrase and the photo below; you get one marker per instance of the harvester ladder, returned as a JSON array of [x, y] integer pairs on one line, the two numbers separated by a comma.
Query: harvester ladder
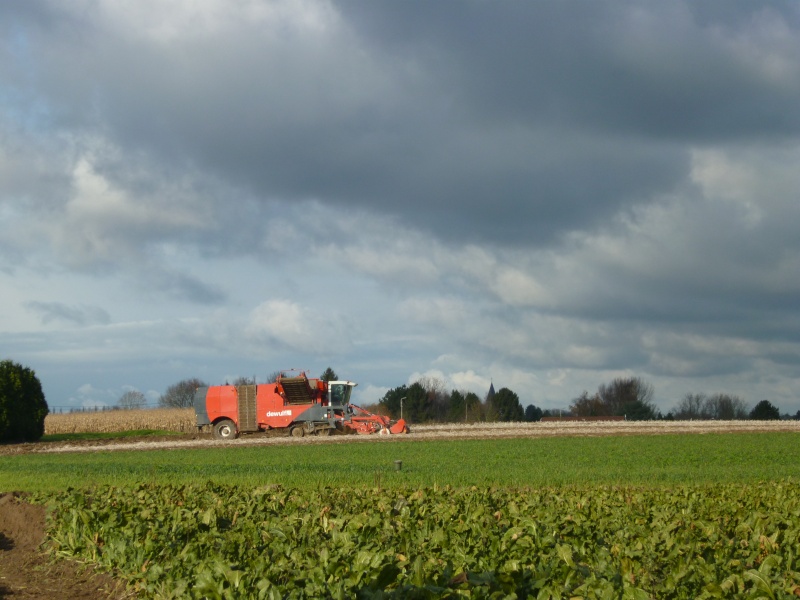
[[247, 407]]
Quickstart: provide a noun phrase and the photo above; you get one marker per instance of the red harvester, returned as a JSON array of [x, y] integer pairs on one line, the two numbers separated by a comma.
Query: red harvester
[[298, 405]]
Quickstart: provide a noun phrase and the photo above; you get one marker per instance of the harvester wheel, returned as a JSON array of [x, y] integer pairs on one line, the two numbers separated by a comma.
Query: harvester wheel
[[325, 431], [298, 431], [225, 430]]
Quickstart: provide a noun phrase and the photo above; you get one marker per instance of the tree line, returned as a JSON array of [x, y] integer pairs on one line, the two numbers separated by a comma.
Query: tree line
[[23, 406], [428, 400], [632, 397]]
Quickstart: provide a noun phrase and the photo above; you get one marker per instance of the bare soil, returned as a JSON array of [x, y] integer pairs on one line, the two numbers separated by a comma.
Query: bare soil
[[28, 573]]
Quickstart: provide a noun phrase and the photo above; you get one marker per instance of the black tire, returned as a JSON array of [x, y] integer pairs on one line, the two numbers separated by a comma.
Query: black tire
[[225, 430], [325, 431], [298, 431]]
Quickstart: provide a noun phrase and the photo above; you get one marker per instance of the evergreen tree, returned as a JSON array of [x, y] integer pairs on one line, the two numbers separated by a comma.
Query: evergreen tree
[[456, 407], [533, 413], [765, 411], [418, 406], [22, 404], [391, 401], [329, 375], [505, 404]]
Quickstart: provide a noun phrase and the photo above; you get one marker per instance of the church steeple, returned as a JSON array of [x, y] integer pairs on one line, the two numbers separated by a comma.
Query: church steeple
[[490, 393]]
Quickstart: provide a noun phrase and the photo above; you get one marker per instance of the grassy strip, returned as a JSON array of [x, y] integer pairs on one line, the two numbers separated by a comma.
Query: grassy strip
[[87, 436], [511, 463]]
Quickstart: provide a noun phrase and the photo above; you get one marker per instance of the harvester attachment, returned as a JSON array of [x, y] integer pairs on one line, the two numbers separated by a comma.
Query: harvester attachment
[[364, 422]]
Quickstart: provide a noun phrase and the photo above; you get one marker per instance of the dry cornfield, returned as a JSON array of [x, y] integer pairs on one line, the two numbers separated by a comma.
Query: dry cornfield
[[183, 420], [165, 419]]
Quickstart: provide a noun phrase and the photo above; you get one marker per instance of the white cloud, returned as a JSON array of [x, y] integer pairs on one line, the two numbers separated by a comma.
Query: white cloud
[[288, 324], [720, 178], [88, 396], [167, 24], [283, 320], [468, 380], [768, 47], [368, 394], [102, 223], [520, 289]]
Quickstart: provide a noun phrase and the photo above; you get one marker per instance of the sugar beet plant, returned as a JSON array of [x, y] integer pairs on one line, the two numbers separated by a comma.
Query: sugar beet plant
[[215, 541]]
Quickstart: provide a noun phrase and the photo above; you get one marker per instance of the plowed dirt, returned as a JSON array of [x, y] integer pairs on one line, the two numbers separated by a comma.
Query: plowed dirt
[[28, 573]]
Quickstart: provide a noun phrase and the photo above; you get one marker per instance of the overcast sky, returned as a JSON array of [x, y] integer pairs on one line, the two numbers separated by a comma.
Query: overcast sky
[[542, 195]]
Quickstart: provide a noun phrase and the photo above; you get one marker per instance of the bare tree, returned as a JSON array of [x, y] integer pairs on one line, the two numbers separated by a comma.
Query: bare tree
[[438, 396], [726, 408], [132, 399], [433, 385], [631, 397], [589, 406], [692, 406], [722, 407], [181, 394]]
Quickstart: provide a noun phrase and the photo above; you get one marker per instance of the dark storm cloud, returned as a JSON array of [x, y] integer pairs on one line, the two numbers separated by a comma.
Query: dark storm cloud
[[602, 187], [185, 287], [511, 125], [77, 315], [668, 70]]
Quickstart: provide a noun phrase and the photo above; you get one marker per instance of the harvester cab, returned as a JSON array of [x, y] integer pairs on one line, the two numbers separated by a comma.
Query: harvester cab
[[339, 393]]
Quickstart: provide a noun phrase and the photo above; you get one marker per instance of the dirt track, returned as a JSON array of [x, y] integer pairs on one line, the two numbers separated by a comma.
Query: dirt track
[[420, 432], [28, 574]]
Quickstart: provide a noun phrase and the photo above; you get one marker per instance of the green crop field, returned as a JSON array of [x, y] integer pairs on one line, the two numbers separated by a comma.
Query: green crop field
[[216, 541], [671, 516]]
